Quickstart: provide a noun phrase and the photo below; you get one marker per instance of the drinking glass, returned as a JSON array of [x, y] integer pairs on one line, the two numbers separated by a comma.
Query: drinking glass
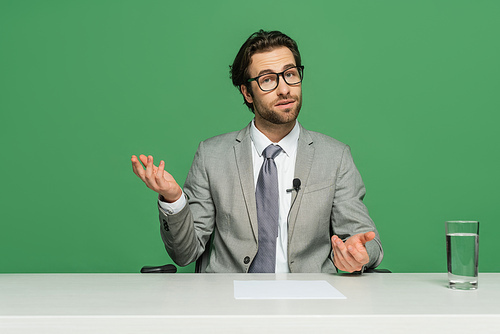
[[462, 246]]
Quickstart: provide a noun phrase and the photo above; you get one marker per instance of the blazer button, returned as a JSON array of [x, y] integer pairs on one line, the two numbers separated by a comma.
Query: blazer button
[[246, 260]]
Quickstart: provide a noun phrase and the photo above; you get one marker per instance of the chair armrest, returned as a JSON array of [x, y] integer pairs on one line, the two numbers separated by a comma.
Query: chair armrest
[[372, 270], [168, 268]]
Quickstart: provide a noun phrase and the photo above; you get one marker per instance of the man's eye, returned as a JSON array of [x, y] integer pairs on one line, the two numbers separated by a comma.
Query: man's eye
[[266, 79]]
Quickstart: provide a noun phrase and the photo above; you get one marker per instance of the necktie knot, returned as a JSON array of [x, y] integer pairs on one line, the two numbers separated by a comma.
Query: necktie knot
[[271, 151]]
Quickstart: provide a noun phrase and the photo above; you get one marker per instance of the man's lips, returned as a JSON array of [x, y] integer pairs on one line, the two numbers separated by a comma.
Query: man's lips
[[284, 103]]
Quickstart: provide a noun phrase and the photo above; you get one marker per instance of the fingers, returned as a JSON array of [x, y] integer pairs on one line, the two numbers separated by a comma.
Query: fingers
[[365, 237], [151, 171], [137, 168], [156, 178], [144, 160], [349, 256], [149, 167], [147, 175], [160, 180], [341, 256]]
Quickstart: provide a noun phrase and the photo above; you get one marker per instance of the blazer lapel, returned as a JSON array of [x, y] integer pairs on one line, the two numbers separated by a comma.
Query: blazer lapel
[[244, 162], [303, 164]]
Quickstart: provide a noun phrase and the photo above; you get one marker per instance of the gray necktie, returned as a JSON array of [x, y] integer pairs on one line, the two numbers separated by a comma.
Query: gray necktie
[[267, 198]]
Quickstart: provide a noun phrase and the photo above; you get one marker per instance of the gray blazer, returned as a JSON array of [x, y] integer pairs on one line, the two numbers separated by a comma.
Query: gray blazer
[[221, 201]]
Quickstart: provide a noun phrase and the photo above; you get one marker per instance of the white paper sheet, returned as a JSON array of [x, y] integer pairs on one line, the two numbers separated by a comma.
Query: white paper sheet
[[285, 289]]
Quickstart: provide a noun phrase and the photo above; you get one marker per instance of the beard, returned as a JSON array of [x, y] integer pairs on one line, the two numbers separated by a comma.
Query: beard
[[282, 116]]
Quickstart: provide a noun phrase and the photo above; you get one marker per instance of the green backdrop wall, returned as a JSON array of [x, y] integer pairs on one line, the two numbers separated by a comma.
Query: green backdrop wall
[[411, 86]]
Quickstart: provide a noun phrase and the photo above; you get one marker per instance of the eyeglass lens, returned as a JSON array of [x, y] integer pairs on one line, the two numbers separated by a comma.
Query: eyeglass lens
[[270, 81]]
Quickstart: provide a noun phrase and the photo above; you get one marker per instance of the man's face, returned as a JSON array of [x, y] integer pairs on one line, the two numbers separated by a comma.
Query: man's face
[[281, 105]]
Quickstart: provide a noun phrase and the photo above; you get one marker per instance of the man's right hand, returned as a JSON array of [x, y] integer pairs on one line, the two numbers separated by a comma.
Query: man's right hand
[[156, 178]]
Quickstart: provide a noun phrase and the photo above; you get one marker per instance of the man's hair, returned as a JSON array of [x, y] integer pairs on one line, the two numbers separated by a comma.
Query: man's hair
[[260, 41]]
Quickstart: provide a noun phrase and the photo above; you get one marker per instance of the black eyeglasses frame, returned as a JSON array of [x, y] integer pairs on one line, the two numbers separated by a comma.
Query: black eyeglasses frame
[[280, 74]]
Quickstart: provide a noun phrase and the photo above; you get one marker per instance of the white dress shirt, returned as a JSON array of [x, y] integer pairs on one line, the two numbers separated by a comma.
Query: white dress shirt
[[285, 164]]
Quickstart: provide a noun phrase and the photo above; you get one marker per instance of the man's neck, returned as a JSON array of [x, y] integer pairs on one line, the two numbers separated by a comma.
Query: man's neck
[[275, 132]]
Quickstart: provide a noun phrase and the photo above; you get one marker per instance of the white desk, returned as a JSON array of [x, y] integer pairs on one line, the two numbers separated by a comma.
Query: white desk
[[177, 303]]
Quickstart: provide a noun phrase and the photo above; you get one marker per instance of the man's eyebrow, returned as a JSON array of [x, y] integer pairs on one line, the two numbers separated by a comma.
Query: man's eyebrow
[[285, 67]]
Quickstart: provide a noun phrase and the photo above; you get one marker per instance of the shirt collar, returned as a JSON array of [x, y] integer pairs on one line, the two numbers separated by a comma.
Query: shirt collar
[[289, 143]]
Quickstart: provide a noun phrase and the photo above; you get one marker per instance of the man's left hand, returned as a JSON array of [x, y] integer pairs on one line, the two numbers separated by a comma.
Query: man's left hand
[[351, 255]]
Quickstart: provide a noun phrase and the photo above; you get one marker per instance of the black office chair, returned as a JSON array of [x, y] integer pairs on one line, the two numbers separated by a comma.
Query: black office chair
[[375, 270], [200, 267]]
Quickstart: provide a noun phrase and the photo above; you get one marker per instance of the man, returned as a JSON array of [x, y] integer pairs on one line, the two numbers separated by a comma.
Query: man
[[274, 196]]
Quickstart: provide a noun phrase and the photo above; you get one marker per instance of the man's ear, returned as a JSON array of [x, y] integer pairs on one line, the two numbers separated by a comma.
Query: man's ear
[[246, 94]]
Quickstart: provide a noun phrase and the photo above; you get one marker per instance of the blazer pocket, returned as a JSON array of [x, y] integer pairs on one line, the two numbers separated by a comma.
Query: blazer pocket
[[316, 187]]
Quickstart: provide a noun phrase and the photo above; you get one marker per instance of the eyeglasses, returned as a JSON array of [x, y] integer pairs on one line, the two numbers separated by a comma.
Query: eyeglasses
[[269, 81]]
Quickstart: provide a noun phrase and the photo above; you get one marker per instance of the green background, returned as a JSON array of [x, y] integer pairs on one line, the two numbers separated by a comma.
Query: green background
[[411, 86]]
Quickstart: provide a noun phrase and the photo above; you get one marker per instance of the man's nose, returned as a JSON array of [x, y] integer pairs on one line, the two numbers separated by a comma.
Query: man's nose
[[283, 88]]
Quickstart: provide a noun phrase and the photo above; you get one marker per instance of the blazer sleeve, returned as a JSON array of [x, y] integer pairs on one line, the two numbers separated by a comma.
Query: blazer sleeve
[[349, 213], [184, 237]]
